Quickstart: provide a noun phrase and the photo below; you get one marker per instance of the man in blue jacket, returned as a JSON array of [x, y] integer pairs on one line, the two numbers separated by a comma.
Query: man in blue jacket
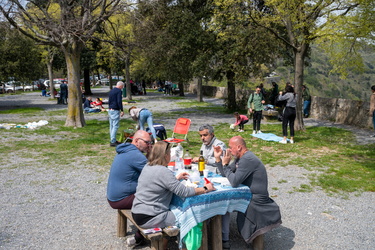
[[125, 170], [115, 111]]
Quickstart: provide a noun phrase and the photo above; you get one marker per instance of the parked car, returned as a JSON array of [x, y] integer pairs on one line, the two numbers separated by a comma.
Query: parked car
[[7, 88], [56, 82]]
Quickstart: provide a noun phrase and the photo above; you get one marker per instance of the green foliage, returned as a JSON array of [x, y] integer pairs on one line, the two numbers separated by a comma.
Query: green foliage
[[18, 53]]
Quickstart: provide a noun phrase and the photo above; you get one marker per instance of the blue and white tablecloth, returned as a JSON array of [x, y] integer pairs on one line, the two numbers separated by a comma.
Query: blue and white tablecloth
[[192, 210]]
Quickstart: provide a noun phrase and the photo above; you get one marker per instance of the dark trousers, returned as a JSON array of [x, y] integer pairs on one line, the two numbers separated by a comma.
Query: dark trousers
[[241, 125], [125, 203], [257, 116], [288, 118]]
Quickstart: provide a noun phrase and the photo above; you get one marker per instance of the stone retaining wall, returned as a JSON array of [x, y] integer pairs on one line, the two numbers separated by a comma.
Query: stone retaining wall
[[343, 111]]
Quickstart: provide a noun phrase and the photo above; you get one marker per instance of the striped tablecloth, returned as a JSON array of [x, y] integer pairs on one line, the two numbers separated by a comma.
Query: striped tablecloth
[[192, 210]]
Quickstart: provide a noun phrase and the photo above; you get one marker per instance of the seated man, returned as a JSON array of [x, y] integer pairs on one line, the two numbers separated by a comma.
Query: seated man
[[125, 170], [87, 106], [209, 140], [262, 214]]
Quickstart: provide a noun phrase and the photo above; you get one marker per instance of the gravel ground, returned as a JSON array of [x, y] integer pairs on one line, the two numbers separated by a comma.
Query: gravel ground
[[47, 207]]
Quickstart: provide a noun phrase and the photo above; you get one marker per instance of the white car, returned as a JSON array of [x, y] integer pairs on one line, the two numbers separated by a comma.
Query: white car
[[56, 83]]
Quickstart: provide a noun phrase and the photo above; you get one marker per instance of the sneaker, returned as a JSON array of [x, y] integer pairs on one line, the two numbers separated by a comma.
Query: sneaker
[[238, 130], [131, 242], [283, 141], [254, 132], [241, 130], [226, 244], [291, 141], [114, 144], [259, 132]]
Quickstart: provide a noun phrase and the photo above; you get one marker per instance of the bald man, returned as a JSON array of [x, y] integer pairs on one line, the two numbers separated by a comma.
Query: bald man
[[115, 111], [262, 214], [125, 170]]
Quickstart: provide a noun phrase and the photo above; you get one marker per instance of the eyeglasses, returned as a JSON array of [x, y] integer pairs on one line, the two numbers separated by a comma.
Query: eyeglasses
[[147, 142]]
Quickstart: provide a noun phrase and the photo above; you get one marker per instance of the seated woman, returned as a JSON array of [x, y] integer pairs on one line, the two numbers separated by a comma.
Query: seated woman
[[156, 186], [98, 104], [142, 115]]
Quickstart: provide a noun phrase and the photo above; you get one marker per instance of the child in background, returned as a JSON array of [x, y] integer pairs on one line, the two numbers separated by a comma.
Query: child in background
[[240, 121]]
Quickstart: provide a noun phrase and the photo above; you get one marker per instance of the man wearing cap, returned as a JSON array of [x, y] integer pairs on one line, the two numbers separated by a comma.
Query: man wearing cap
[[115, 111]]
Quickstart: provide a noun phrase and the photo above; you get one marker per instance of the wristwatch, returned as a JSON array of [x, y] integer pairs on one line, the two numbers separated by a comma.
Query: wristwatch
[[205, 189]]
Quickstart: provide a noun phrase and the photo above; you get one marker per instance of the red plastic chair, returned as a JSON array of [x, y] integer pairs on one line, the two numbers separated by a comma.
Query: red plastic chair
[[181, 127]]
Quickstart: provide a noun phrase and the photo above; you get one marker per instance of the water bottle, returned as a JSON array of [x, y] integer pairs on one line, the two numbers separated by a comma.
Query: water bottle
[[179, 151], [179, 164], [187, 160]]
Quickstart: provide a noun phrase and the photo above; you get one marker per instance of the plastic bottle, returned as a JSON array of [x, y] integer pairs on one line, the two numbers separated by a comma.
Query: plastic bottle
[[187, 159], [201, 163], [179, 164], [179, 151]]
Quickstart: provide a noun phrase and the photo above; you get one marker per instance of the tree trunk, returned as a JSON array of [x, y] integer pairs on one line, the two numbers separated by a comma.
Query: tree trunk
[[127, 79], [200, 90], [50, 76], [299, 57], [231, 91], [86, 81], [75, 116], [181, 88]]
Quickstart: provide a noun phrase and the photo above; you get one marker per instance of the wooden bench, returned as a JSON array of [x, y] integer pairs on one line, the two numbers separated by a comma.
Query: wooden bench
[[156, 238], [269, 114]]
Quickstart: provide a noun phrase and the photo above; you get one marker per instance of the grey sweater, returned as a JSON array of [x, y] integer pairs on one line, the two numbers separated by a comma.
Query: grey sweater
[[290, 98], [156, 186]]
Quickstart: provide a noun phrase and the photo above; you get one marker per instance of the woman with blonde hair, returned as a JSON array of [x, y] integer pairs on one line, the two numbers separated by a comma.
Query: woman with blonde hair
[[156, 186]]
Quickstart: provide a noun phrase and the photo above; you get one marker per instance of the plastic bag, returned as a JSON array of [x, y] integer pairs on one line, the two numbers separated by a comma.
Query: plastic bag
[[193, 239]]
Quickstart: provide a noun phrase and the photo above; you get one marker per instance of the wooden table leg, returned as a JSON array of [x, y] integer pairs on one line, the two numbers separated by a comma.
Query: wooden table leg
[[216, 233], [258, 243], [204, 243]]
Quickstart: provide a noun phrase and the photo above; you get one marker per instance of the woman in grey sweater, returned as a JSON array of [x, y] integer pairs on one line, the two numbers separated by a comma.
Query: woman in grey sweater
[[289, 114], [156, 186]]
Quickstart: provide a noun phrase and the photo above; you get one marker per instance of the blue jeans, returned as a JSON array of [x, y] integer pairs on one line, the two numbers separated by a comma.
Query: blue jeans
[[114, 123], [146, 116], [306, 108]]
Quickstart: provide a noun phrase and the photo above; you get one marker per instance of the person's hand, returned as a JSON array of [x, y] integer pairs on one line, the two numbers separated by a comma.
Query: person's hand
[[210, 187], [227, 156], [263, 101], [250, 110], [218, 151], [280, 93], [122, 113], [182, 176], [195, 159]]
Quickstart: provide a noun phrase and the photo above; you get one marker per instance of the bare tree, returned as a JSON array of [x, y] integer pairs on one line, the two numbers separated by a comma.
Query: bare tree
[[67, 25]]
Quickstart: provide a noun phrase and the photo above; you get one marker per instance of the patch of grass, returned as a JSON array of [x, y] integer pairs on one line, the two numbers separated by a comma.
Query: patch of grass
[[21, 110]]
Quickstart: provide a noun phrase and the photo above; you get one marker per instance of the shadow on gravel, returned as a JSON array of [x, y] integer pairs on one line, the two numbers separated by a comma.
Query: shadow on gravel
[[281, 238]]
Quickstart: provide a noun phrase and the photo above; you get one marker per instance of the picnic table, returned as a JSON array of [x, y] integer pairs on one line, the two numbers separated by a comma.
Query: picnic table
[[210, 206]]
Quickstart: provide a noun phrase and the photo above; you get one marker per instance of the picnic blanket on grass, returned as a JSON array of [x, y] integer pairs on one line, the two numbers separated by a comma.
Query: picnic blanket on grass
[[268, 137]]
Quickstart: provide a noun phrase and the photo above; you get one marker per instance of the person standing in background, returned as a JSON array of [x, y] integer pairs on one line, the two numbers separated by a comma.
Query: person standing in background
[[115, 111], [372, 107], [63, 93], [255, 104], [289, 113], [306, 101]]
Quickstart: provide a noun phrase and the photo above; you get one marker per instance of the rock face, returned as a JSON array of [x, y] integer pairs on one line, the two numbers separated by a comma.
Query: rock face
[[341, 111]]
